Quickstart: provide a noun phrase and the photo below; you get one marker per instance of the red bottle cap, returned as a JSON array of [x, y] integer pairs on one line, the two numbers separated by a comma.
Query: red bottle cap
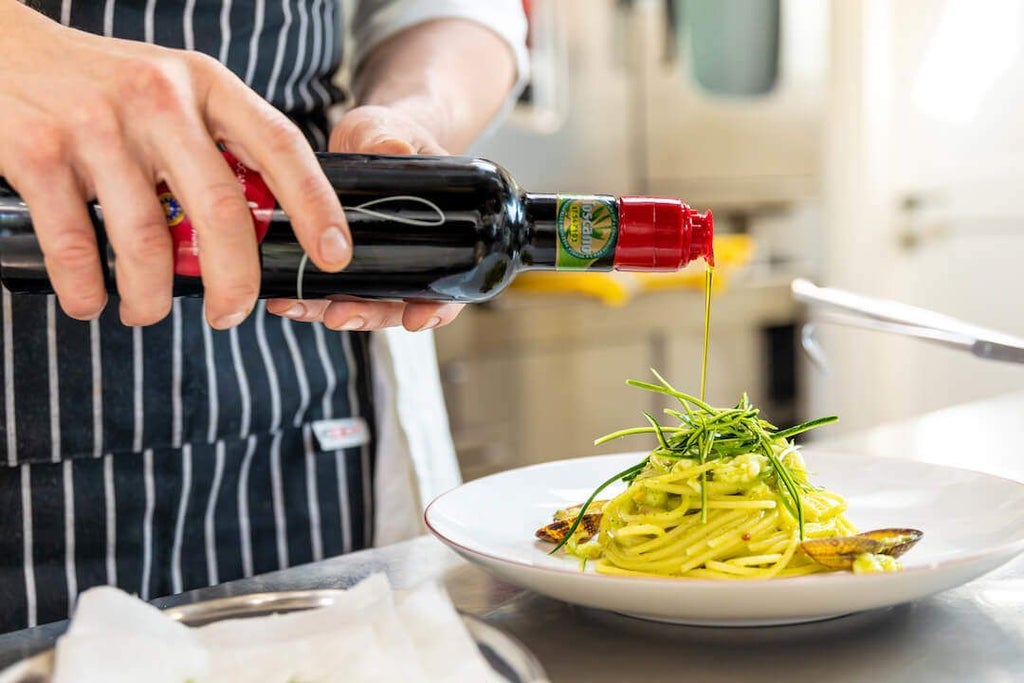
[[661, 234]]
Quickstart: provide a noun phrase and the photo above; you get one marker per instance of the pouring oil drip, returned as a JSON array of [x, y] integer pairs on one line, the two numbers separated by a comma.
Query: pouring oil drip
[[709, 276]]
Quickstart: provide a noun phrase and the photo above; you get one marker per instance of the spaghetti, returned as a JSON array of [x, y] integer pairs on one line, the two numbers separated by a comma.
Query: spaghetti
[[724, 495], [656, 527]]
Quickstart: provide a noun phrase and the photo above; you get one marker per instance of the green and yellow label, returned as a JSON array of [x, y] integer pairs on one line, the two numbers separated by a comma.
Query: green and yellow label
[[172, 209], [588, 227]]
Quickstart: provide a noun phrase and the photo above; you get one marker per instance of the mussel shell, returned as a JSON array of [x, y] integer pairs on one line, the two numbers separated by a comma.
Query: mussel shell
[[556, 531], [894, 542], [841, 551]]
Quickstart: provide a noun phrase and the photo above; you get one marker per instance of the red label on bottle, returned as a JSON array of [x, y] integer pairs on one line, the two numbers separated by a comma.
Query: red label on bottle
[[183, 233]]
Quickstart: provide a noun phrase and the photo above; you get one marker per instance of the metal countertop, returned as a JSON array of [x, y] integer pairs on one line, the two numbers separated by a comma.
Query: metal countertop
[[974, 633]]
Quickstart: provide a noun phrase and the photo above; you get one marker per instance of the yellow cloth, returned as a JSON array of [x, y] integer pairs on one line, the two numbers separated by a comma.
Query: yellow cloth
[[615, 288]]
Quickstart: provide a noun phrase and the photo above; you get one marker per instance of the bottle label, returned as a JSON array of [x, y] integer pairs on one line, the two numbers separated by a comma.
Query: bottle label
[[183, 233], [588, 228]]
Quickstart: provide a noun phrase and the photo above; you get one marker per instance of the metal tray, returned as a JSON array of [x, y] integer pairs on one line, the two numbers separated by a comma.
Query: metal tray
[[505, 654]]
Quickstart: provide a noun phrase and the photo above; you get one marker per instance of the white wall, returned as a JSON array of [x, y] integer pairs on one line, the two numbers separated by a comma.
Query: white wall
[[891, 134]]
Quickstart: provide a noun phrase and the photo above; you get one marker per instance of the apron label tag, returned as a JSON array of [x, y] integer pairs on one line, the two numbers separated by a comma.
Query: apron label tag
[[334, 435]]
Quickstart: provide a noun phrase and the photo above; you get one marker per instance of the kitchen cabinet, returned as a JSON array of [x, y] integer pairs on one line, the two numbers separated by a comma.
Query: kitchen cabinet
[[532, 378]]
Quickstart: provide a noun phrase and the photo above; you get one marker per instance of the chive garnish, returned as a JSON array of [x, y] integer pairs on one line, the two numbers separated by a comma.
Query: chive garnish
[[708, 433]]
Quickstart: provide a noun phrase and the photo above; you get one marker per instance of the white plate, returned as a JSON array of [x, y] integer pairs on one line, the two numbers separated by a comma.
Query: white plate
[[972, 523]]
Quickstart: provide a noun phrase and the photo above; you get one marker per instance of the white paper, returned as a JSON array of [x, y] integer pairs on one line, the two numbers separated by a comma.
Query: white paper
[[370, 635], [447, 652]]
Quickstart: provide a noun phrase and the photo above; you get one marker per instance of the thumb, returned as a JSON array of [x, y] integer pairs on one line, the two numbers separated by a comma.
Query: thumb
[[370, 135], [378, 130], [387, 144]]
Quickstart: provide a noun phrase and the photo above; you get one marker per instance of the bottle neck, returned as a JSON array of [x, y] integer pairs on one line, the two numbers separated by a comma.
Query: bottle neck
[[570, 232], [604, 232]]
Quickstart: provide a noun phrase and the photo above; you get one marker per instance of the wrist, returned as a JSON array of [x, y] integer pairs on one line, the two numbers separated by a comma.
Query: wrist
[[444, 74]]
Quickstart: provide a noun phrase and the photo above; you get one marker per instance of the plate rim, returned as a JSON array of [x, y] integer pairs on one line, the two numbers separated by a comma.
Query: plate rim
[[1008, 549]]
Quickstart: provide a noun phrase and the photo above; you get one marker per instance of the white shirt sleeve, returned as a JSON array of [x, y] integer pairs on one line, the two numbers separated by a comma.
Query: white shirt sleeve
[[375, 20]]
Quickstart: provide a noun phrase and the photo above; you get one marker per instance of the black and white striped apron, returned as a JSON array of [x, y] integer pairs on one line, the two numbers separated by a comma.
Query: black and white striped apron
[[172, 457]]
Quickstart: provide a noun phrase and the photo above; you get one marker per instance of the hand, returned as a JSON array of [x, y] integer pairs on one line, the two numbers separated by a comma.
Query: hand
[[373, 130], [84, 117]]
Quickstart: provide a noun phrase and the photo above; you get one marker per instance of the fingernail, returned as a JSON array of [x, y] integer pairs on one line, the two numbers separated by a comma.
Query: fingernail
[[356, 323], [334, 248], [228, 321], [432, 323], [294, 311]]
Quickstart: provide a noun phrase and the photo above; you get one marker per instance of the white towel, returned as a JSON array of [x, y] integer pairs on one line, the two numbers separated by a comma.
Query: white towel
[[371, 634]]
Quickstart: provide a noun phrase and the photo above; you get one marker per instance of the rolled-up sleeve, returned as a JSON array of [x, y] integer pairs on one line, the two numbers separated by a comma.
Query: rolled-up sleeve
[[376, 20]]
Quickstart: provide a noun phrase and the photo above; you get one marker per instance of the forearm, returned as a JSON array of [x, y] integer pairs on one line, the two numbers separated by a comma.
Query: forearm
[[450, 75]]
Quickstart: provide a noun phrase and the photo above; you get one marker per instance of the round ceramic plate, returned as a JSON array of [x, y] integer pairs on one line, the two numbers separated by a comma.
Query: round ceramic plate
[[509, 659], [972, 523]]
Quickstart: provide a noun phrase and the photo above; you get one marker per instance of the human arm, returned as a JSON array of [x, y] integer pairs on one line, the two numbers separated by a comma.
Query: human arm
[[429, 88]]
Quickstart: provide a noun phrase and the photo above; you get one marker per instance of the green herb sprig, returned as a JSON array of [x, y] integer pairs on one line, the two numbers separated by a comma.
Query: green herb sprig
[[706, 433]]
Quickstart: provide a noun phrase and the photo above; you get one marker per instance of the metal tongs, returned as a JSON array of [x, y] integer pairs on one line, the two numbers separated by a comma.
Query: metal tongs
[[846, 308]]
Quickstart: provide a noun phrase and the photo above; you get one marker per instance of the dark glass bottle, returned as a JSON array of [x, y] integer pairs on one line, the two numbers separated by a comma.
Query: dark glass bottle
[[423, 228]]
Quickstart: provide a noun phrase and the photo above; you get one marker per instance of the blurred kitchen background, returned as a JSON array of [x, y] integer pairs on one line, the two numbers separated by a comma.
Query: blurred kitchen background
[[870, 145]]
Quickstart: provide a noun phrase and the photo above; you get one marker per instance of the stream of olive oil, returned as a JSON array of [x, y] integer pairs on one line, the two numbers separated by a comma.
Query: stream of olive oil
[[709, 275]]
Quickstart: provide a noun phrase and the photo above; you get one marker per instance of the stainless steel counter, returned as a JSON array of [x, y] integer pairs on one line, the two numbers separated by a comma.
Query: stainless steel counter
[[974, 633]]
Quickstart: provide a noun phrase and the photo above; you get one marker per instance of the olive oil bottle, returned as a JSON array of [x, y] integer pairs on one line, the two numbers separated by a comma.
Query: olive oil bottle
[[423, 228]]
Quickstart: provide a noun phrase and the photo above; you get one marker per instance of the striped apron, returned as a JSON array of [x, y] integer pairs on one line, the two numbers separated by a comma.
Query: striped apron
[[172, 457]]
